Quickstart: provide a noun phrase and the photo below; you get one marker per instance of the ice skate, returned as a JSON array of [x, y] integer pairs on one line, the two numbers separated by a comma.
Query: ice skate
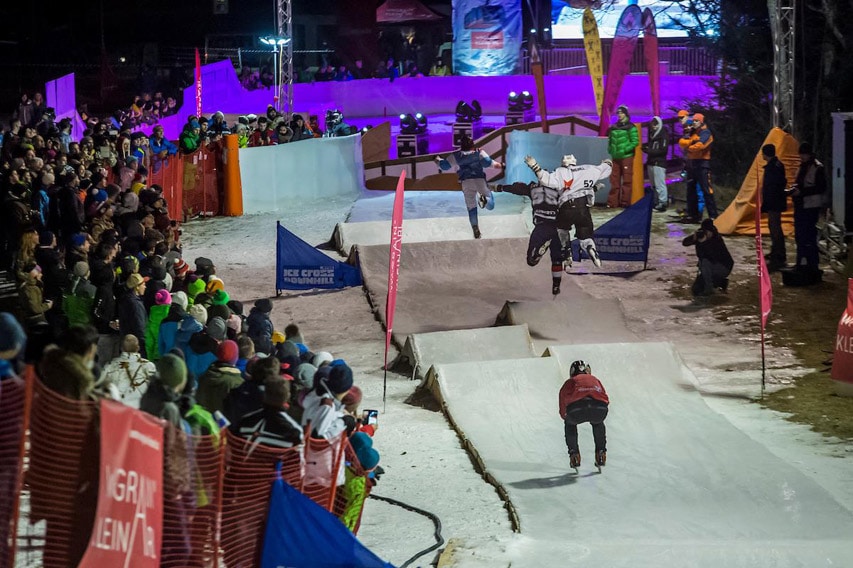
[[483, 201], [555, 288], [476, 231], [567, 264], [575, 460], [593, 255], [600, 459]]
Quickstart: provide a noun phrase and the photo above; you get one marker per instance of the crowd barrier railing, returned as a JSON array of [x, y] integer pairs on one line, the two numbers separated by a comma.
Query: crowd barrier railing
[[192, 183], [216, 489]]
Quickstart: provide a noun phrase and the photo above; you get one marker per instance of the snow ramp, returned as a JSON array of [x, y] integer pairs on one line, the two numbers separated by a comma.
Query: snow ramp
[[367, 233], [592, 320], [423, 350], [683, 487], [454, 284]]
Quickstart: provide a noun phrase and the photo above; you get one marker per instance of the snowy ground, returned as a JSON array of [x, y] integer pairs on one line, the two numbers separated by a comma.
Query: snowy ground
[[427, 467]]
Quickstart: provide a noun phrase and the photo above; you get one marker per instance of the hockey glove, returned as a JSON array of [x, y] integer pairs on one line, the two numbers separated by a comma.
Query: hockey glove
[[598, 186], [607, 161], [532, 164]]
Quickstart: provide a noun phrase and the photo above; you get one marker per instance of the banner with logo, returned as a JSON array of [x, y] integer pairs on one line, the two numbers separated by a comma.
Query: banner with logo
[[625, 237], [594, 60], [624, 42], [299, 266], [393, 269], [128, 524], [650, 51], [486, 37], [197, 83], [842, 360]]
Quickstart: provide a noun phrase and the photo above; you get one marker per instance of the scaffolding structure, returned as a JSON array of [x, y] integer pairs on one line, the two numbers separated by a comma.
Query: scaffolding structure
[[782, 26], [284, 87]]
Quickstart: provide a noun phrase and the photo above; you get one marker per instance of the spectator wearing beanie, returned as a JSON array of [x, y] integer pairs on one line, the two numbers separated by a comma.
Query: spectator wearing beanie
[[322, 358], [271, 425], [260, 326], [287, 349], [249, 396], [247, 352], [79, 249], [195, 286], [219, 305], [292, 333], [164, 390], [156, 314], [236, 308], [78, 300], [203, 346], [351, 402], [54, 273], [323, 407], [355, 487], [220, 378], [168, 333]]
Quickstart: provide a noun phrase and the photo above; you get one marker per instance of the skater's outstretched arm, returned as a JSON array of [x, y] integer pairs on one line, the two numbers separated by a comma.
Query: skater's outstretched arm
[[546, 178]]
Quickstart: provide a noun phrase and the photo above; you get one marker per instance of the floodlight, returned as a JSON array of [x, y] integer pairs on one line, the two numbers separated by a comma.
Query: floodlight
[[517, 102], [413, 124], [274, 41]]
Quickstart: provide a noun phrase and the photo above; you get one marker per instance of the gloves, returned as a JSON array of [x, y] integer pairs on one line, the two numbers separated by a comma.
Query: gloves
[[607, 161], [532, 164], [598, 186]]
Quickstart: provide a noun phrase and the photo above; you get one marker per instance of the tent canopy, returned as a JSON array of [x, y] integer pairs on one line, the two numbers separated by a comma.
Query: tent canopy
[[400, 11]]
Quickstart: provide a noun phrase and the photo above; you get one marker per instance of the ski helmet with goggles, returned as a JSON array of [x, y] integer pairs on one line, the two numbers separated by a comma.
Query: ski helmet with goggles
[[579, 367], [569, 160]]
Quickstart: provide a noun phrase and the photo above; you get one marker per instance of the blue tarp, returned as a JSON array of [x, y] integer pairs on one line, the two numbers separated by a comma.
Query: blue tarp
[[302, 534], [626, 236], [299, 266]]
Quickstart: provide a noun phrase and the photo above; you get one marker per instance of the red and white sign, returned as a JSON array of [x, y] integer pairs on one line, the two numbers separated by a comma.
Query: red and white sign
[[197, 83], [842, 361], [487, 40], [394, 261], [128, 524]]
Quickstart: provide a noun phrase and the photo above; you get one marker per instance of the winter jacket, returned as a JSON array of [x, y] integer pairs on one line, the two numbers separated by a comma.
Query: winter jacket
[[581, 386], [200, 354], [32, 303], [325, 414], [260, 330], [168, 333], [162, 402], [54, 274], [161, 145], [215, 384], [773, 197], [66, 373], [78, 302], [243, 399], [132, 318], [470, 163], [72, 214], [698, 145], [130, 373], [658, 144], [104, 308], [713, 248], [269, 426], [188, 141], [622, 139], [188, 328], [355, 492], [156, 315], [813, 189]]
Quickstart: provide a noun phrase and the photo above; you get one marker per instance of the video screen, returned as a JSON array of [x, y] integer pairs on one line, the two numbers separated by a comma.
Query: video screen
[[566, 21]]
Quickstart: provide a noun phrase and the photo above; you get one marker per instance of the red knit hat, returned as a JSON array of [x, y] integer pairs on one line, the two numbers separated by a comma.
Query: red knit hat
[[353, 396], [228, 352]]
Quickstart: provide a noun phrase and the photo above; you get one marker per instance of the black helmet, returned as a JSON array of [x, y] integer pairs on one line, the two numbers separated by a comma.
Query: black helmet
[[579, 367]]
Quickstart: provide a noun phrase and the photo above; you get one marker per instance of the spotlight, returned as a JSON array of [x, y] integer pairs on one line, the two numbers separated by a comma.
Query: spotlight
[[468, 112], [413, 124], [519, 102]]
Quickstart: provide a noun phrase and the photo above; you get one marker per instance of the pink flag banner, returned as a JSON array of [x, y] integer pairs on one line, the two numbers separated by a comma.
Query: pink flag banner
[[650, 51], [393, 270], [765, 290], [627, 32], [197, 83]]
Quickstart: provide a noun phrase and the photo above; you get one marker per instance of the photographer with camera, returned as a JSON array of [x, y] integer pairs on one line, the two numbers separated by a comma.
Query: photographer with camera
[[714, 260]]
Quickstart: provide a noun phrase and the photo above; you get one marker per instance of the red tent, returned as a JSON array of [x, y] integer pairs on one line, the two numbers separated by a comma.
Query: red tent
[[399, 11]]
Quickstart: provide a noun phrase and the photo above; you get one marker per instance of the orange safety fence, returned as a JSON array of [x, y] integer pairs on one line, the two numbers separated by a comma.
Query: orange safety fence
[[341, 498], [202, 181], [13, 405], [216, 489], [168, 173]]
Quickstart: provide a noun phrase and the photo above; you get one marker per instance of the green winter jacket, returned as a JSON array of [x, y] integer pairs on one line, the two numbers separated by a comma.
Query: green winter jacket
[[78, 309], [156, 315], [622, 139], [355, 491]]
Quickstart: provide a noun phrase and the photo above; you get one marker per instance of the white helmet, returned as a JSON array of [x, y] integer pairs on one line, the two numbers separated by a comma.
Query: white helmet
[[568, 160]]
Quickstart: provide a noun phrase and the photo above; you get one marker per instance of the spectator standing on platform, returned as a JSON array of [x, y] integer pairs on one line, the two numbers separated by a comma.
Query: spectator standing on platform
[[622, 139], [469, 163], [656, 149], [810, 197], [774, 201]]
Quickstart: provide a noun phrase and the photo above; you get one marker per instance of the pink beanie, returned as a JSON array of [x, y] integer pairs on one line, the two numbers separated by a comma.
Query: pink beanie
[[163, 297]]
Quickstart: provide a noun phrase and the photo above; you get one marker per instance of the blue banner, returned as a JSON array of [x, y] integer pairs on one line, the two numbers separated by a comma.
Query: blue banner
[[625, 237], [486, 37], [299, 266], [302, 534]]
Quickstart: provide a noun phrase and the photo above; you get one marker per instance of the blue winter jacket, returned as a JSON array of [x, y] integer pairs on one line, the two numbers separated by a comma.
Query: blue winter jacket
[[470, 164], [260, 330], [189, 327], [164, 144]]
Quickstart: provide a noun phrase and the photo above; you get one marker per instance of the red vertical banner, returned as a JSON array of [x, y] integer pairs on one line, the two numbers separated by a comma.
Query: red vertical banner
[[197, 83], [393, 268], [765, 289], [627, 32], [128, 524], [842, 360], [650, 52]]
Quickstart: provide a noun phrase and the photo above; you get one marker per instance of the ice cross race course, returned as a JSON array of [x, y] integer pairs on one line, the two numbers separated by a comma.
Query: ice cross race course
[[685, 485]]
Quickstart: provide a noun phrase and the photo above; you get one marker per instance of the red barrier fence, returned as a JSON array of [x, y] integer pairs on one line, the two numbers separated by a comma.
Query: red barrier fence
[[216, 489], [191, 183]]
